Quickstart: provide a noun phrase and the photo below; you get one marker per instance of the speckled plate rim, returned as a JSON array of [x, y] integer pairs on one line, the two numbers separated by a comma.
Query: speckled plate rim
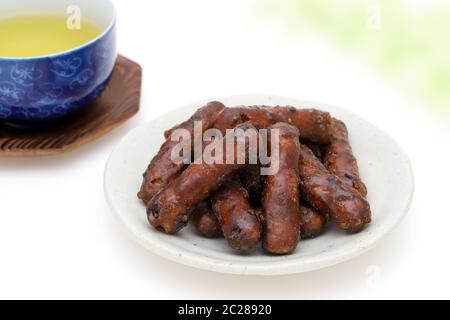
[[268, 265]]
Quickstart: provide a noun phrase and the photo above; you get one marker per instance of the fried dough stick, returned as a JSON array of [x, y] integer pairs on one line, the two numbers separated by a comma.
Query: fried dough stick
[[169, 211], [205, 221], [240, 224], [314, 125], [162, 169], [327, 193], [339, 158], [281, 197], [313, 223], [207, 115]]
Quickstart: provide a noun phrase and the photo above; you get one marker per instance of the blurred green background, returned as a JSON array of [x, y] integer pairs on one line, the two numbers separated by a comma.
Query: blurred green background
[[407, 41]]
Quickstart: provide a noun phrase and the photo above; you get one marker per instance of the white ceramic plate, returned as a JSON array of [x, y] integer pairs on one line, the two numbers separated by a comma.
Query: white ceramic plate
[[384, 167]]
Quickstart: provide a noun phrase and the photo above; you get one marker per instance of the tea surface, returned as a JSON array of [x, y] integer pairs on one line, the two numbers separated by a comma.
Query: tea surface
[[37, 35]]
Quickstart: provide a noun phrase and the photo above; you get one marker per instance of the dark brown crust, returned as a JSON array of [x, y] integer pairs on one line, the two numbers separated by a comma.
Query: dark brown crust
[[205, 221], [207, 115], [259, 117], [339, 158], [313, 223], [161, 169], [314, 125], [169, 211], [240, 224], [327, 193], [281, 198]]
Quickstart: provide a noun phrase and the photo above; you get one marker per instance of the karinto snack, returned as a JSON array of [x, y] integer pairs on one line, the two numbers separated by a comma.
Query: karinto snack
[[236, 201], [327, 193], [339, 158], [314, 125], [205, 220], [240, 224], [162, 169], [313, 223], [170, 209], [281, 198]]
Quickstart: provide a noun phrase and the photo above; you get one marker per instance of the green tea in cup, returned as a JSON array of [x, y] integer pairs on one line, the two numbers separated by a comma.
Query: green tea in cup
[[42, 34]]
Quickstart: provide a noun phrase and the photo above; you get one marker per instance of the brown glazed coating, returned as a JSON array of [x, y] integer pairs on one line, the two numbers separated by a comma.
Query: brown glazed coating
[[240, 224], [260, 117], [161, 169], [169, 211], [313, 223], [339, 158], [281, 198], [314, 125], [253, 182], [327, 193], [207, 115], [205, 221]]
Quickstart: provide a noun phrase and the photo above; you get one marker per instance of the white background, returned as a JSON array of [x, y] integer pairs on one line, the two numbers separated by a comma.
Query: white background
[[58, 238]]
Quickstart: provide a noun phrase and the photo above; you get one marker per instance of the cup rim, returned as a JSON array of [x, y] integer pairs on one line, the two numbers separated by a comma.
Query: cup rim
[[66, 52]]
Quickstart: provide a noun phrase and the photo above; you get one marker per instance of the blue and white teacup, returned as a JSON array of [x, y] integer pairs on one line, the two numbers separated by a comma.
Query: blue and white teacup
[[37, 90]]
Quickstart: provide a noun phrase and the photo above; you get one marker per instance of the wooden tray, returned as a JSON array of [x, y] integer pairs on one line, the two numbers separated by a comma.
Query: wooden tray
[[118, 103]]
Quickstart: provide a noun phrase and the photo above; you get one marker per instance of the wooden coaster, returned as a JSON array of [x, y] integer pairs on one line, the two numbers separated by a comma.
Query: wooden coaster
[[118, 103]]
